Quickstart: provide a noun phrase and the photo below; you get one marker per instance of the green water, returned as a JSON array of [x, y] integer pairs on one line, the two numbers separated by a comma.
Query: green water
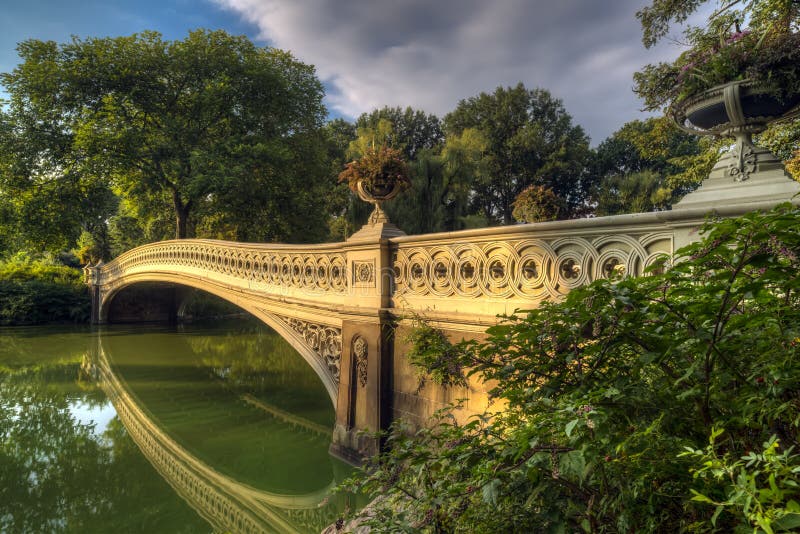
[[196, 428]]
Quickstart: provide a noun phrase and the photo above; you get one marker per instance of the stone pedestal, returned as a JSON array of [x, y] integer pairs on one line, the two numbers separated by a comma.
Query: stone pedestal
[[746, 175]]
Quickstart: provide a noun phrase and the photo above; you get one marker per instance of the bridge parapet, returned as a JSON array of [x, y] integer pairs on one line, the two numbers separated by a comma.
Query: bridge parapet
[[294, 270], [491, 271]]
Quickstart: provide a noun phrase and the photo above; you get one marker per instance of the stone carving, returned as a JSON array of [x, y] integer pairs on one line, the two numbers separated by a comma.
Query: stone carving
[[324, 340], [525, 268], [364, 273], [742, 161], [360, 355]]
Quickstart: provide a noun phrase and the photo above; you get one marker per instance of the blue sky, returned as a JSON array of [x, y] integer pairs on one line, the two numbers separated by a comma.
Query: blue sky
[[420, 53]]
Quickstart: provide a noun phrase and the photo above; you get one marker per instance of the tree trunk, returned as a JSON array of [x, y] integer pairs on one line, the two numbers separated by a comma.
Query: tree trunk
[[181, 215]]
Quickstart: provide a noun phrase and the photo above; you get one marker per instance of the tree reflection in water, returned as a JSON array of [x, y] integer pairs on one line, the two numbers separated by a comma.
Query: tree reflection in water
[[59, 473]]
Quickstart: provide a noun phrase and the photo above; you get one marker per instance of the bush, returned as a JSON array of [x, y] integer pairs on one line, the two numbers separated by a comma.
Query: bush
[[615, 402], [40, 291], [537, 203]]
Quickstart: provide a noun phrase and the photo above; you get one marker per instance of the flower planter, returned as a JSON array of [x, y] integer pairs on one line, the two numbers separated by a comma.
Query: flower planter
[[377, 192], [739, 110], [740, 105]]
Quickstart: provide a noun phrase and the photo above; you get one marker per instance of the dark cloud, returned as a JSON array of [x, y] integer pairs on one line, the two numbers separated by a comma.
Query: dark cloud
[[429, 55], [420, 53]]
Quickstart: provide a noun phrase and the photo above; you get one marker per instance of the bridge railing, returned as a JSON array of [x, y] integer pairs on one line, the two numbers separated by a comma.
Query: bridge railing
[[472, 275], [276, 269], [490, 271]]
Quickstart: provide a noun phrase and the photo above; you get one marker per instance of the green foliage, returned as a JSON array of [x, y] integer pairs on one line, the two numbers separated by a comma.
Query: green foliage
[[412, 131], [207, 127], [441, 184], [536, 203], [602, 394], [530, 139], [768, 51], [650, 164], [39, 291], [760, 487], [434, 356], [783, 140], [91, 248], [639, 192], [46, 199]]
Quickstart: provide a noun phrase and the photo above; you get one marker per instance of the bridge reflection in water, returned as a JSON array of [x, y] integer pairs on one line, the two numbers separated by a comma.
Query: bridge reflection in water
[[229, 505]]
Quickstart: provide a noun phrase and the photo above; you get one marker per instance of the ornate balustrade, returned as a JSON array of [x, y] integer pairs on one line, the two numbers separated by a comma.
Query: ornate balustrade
[[287, 270], [492, 271]]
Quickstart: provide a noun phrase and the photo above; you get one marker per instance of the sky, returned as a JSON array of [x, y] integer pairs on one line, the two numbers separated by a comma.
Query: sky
[[427, 54]]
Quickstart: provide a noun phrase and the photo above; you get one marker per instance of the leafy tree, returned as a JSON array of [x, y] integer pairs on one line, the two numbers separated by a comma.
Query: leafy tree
[[345, 213], [531, 140], [139, 220], [665, 403], [185, 120], [650, 164], [412, 130], [46, 197], [441, 185], [638, 192]]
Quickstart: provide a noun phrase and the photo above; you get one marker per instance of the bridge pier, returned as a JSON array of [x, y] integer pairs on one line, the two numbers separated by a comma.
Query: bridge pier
[[364, 400]]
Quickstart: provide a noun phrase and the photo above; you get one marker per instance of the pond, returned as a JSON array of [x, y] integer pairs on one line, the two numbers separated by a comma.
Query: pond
[[143, 428]]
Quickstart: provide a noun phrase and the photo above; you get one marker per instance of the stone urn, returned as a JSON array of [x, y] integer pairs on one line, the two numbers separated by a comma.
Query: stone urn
[[376, 192], [738, 109]]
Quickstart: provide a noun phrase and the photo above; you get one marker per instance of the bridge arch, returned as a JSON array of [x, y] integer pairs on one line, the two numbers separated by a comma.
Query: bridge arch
[[320, 348]]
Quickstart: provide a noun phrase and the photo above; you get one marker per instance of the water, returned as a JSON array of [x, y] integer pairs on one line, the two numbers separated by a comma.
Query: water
[[195, 428]]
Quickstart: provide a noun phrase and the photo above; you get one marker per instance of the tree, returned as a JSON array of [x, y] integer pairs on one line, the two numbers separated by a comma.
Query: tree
[[46, 198], [441, 185], [638, 192], [412, 130], [536, 203], [647, 165], [531, 140], [183, 119]]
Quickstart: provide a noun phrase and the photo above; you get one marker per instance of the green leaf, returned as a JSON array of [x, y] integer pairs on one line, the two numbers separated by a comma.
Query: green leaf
[[490, 491], [571, 426]]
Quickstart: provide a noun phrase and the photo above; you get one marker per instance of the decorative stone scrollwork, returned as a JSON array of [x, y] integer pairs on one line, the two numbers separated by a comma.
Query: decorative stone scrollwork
[[324, 340], [742, 161], [533, 269], [364, 273], [360, 354]]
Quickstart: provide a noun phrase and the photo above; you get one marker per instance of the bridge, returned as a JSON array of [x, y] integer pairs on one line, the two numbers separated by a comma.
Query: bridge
[[346, 307]]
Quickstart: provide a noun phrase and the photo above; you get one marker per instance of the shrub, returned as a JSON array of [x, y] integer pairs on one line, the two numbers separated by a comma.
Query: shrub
[[611, 398], [537, 203], [40, 291]]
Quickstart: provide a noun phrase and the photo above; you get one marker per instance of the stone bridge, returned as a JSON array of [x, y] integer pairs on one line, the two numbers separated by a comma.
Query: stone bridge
[[346, 307]]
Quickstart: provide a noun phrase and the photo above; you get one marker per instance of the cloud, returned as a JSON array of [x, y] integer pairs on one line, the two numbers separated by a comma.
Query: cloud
[[429, 55]]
